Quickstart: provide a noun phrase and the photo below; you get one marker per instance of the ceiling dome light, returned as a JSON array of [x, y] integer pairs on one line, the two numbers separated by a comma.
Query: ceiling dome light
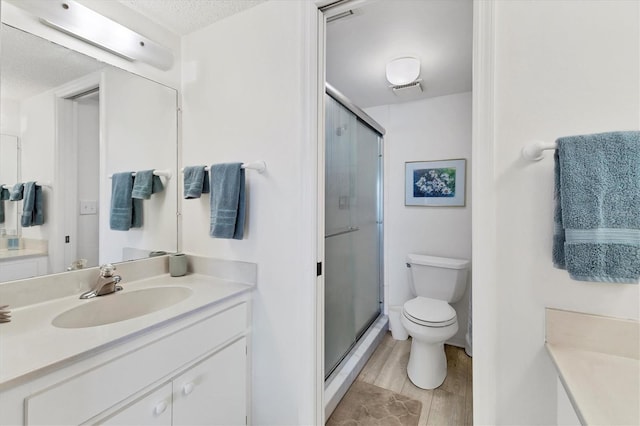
[[403, 70]]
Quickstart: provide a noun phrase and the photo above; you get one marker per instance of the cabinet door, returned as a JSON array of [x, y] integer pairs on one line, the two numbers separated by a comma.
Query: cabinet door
[[153, 410], [213, 392]]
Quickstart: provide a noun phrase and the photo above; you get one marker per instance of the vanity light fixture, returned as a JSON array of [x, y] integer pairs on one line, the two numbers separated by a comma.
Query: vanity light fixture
[[87, 25]]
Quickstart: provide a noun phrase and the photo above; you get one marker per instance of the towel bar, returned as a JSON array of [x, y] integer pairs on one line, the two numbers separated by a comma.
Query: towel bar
[[260, 166], [43, 184], [534, 151], [163, 173]]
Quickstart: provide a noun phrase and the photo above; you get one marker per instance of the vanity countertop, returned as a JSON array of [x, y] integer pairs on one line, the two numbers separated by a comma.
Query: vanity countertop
[[598, 364], [31, 345], [603, 388], [6, 254]]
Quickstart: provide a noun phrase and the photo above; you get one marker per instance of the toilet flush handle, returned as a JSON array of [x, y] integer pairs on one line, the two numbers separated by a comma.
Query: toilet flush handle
[[408, 265]]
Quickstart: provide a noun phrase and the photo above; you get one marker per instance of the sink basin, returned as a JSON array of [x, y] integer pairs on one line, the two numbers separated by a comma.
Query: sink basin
[[121, 306]]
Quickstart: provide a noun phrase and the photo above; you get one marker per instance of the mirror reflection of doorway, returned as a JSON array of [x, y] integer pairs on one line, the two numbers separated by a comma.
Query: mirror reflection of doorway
[[87, 111], [78, 168]]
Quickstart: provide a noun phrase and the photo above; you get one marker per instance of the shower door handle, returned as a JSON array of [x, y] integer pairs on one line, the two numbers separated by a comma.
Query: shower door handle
[[344, 231]]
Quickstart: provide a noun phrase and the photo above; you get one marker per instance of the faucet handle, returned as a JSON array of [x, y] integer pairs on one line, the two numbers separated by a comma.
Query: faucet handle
[[106, 270]]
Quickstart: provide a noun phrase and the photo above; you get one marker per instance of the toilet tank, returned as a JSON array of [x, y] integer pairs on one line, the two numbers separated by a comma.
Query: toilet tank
[[441, 278]]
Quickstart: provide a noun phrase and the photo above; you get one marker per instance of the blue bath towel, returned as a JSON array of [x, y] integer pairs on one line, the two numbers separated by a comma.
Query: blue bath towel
[[196, 182], [227, 201], [38, 209], [32, 210], [4, 195], [17, 192], [146, 183], [597, 213], [123, 217]]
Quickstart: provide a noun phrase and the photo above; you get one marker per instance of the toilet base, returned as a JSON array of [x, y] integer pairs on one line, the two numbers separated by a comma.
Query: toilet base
[[427, 366]]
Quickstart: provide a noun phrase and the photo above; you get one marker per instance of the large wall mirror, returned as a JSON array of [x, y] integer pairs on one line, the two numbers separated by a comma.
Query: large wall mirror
[[69, 122]]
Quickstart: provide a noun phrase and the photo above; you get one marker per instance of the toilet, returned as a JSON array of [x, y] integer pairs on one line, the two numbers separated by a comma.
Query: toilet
[[429, 318]]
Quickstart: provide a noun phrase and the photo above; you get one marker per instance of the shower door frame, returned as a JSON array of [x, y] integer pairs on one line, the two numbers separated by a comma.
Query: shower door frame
[[369, 122]]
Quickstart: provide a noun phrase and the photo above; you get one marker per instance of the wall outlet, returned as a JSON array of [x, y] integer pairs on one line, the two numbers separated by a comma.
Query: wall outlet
[[88, 207]]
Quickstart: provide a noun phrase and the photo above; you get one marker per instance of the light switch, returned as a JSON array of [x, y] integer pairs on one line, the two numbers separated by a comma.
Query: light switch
[[88, 207]]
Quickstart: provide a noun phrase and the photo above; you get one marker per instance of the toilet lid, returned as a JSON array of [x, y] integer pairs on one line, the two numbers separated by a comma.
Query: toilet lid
[[430, 312]]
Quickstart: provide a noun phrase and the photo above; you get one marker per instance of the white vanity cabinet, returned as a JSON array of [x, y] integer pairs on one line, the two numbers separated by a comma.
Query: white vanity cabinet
[[212, 392], [18, 268], [191, 370]]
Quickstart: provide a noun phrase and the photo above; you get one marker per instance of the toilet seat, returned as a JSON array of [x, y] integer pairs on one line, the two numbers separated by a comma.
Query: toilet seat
[[429, 312]]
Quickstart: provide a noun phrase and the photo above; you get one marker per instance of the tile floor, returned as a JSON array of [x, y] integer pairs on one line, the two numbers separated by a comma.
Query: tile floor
[[450, 404]]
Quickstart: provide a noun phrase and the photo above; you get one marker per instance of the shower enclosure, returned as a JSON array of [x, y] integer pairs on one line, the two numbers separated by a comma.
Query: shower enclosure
[[353, 226]]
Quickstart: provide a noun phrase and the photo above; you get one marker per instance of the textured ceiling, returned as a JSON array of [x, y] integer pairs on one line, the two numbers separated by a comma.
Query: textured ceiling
[[32, 65], [438, 32], [185, 16]]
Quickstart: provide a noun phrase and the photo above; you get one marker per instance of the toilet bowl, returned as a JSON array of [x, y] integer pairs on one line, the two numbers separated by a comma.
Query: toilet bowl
[[429, 318], [430, 323]]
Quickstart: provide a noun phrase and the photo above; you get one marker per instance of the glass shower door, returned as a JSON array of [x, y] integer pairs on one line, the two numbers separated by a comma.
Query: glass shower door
[[352, 231]]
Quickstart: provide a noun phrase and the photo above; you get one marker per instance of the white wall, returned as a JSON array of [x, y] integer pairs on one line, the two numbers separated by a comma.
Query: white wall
[[9, 174], [431, 129], [37, 161], [9, 116], [246, 97], [9, 157], [562, 68], [138, 132]]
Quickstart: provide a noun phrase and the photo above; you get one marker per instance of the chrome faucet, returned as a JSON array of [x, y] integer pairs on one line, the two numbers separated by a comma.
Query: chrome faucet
[[106, 283]]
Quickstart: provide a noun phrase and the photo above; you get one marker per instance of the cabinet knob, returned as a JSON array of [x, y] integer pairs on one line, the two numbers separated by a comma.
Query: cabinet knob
[[188, 388], [160, 408]]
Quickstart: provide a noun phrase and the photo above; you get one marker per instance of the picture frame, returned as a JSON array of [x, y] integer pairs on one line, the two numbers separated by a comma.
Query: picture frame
[[435, 183]]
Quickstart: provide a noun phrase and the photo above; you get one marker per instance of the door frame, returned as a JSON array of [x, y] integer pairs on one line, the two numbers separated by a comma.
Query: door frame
[[66, 168], [483, 214]]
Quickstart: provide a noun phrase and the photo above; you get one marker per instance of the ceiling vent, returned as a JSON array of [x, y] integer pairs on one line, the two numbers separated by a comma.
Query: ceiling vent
[[407, 90]]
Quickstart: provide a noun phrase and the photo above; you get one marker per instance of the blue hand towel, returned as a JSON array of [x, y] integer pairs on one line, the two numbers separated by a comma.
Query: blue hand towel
[[597, 218], [227, 201], [156, 185], [32, 213], [4, 195], [121, 202], [146, 183], [142, 184], [16, 192], [196, 182]]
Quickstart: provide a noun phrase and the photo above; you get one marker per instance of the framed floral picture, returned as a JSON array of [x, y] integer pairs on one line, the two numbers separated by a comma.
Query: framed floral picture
[[435, 183]]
